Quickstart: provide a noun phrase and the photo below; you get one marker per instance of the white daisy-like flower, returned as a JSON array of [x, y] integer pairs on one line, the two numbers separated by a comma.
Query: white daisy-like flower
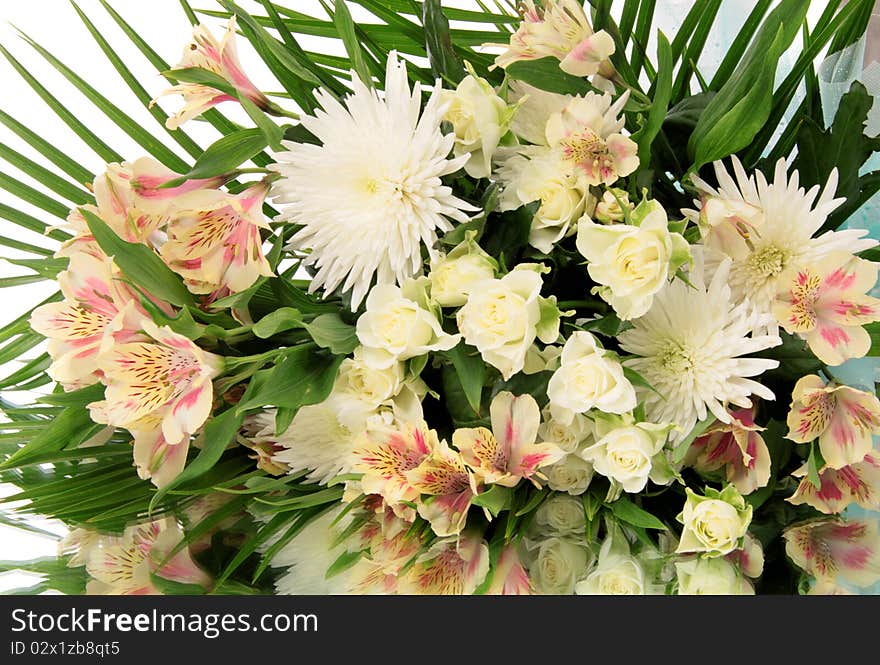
[[692, 344], [767, 227], [371, 194]]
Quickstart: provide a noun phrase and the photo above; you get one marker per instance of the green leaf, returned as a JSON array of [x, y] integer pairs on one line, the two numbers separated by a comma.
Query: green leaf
[[873, 329], [814, 466], [471, 372], [69, 428], [139, 263], [438, 43], [346, 26], [171, 588], [225, 155], [496, 499], [219, 432], [302, 377], [626, 511], [343, 562], [843, 147], [678, 454], [741, 108], [659, 104], [285, 318], [330, 332], [545, 74]]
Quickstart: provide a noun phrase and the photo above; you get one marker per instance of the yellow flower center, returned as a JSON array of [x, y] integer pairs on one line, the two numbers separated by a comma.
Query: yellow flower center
[[767, 262], [587, 149]]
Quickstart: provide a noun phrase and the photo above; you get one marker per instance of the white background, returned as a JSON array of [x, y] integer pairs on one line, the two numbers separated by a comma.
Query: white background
[[55, 25]]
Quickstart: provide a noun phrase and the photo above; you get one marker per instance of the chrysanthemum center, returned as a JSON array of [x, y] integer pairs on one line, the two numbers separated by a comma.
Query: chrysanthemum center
[[676, 358], [767, 262]]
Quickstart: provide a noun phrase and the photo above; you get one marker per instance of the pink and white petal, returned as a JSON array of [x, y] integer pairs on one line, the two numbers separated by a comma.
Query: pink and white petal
[[156, 459], [623, 152], [528, 459], [834, 344], [515, 421], [180, 567], [587, 56], [509, 577], [189, 411], [448, 513], [848, 437], [811, 411]]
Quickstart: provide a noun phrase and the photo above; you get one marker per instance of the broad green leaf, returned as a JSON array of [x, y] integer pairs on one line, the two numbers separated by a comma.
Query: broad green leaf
[[471, 371], [71, 427], [738, 112], [814, 466], [843, 147], [626, 511], [330, 332], [285, 318], [495, 499], [139, 263], [226, 154], [302, 377], [545, 74], [438, 43]]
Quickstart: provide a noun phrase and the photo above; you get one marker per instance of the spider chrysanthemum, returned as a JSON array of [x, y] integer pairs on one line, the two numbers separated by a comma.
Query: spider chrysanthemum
[[370, 195]]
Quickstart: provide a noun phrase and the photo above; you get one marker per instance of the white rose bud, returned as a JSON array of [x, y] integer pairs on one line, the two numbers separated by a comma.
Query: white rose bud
[[558, 564], [503, 316], [567, 437], [609, 209], [711, 577], [714, 524], [453, 275], [479, 119], [625, 452], [588, 379], [561, 515], [395, 328], [632, 262], [570, 474]]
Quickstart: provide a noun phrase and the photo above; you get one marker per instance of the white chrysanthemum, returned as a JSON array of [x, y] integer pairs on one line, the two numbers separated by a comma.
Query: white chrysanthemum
[[692, 342], [309, 555], [371, 195], [768, 227]]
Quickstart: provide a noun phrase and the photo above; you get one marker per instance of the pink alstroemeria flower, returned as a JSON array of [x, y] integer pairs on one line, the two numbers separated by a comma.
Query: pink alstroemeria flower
[[125, 565], [131, 199], [738, 447], [214, 240], [385, 458], [450, 487], [827, 548], [154, 457], [838, 488], [509, 452], [826, 305], [98, 310], [844, 420], [560, 28], [167, 379], [452, 566], [204, 52], [509, 577]]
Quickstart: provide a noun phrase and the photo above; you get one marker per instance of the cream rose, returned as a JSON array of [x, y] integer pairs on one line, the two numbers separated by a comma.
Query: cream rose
[[626, 454], [567, 437], [453, 275], [479, 119], [503, 316], [557, 565], [542, 177], [614, 575], [714, 524], [395, 328], [711, 577], [588, 379], [632, 262], [570, 474], [561, 515]]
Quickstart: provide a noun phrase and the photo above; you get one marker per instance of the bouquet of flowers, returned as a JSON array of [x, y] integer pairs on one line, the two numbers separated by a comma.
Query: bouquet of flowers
[[500, 301]]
